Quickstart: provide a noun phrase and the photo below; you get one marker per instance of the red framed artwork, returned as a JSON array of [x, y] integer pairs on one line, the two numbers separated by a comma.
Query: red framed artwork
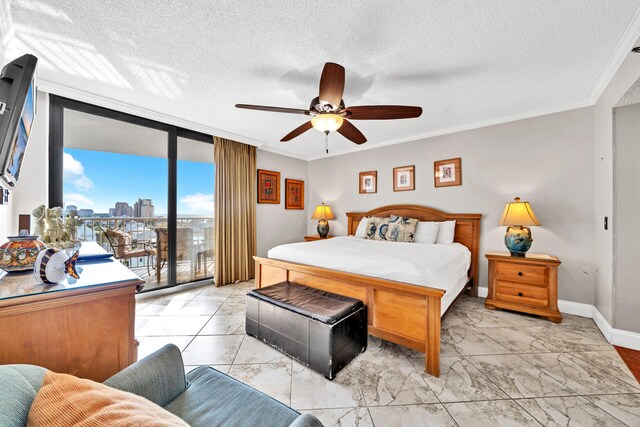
[[268, 187], [294, 194]]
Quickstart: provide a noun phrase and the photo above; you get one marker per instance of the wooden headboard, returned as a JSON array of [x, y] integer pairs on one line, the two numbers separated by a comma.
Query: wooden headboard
[[467, 228]]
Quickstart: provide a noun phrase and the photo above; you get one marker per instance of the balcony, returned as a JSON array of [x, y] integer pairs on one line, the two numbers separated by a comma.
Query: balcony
[[194, 246]]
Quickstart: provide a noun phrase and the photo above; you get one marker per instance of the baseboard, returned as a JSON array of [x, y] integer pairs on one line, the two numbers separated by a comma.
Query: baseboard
[[614, 336], [566, 307], [575, 308], [625, 339], [602, 324]]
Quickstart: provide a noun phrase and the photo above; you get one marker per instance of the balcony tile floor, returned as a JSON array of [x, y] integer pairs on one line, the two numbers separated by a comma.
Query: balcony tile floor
[[498, 368]]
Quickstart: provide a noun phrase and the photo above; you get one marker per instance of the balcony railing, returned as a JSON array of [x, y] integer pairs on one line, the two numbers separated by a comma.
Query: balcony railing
[[144, 230]]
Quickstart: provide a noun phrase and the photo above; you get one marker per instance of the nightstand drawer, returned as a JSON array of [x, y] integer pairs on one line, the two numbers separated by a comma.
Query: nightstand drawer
[[521, 273], [525, 294]]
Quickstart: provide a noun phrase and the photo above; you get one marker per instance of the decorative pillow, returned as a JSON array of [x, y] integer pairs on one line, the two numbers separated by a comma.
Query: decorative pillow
[[372, 227], [446, 231], [426, 232], [361, 231], [401, 229], [64, 400], [381, 231]]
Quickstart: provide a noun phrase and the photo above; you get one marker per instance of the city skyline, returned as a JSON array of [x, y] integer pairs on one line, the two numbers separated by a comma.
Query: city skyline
[[98, 180]]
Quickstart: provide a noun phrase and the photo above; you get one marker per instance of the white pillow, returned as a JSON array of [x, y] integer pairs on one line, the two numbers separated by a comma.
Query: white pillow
[[361, 231], [446, 230], [426, 232]]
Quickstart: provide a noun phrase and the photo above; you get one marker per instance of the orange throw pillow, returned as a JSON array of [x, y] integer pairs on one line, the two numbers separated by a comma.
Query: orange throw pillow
[[64, 400]]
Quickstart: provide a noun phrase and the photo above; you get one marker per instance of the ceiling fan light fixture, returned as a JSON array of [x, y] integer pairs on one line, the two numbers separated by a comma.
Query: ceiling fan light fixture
[[327, 123]]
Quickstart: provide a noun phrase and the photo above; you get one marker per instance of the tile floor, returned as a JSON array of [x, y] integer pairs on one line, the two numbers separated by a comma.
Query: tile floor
[[498, 368]]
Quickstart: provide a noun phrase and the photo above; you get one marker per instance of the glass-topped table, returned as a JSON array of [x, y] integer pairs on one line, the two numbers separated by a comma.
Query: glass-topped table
[[92, 273]]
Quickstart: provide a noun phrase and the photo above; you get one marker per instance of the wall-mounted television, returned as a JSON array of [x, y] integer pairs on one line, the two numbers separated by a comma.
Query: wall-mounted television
[[17, 112]]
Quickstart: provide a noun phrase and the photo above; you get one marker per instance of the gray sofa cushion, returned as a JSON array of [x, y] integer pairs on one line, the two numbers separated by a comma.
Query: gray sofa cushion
[[18, 387], [158, 377], [215, 399]]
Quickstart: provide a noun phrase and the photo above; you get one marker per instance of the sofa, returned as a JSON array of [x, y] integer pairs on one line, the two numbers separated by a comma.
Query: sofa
[[203, 397]]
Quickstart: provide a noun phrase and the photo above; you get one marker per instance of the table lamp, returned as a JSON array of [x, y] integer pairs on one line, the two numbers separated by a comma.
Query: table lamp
[[323, 213], [517, 217]]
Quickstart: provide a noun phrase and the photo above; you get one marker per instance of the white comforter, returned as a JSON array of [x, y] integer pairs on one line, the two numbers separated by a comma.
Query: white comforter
[[433, 265]]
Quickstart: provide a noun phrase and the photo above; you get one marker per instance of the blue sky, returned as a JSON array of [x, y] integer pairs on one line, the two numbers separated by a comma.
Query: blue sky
[[97, 180]]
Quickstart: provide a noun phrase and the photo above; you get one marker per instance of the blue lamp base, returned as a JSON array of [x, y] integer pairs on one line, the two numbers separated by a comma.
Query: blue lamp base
[[518, 240]]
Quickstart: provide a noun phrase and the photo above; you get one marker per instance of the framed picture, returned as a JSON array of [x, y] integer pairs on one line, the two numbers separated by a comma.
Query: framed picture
[[368, 182], [268, 187], [404, 178], [294, 194], [447, 173]]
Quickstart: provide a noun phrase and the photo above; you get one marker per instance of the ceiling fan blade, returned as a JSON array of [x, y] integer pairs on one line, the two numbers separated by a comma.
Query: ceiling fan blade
[[383, 112], [349, 131], [297, 131], [332, 84], [272, 109]]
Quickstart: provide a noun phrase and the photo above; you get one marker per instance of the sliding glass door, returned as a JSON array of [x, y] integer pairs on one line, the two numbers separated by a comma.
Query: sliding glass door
[[194, 234], [142, 190]]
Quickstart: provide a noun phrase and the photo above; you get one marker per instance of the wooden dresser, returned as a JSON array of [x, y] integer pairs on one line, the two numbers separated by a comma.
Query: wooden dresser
[[528, 284], [315, 237], [82, 327]]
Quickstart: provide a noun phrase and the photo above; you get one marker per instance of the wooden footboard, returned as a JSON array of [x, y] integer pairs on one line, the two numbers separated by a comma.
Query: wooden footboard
[[404, 314]]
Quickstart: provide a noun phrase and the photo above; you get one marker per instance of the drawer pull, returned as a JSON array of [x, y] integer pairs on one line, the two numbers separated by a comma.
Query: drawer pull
[[520, 294], [520, 273]]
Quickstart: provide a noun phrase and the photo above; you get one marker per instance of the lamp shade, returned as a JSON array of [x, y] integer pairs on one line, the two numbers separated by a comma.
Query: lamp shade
[[518, 213], [322, 212]]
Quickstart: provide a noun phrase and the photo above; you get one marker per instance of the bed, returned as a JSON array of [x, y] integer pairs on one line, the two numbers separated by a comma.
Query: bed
[[405, 303]]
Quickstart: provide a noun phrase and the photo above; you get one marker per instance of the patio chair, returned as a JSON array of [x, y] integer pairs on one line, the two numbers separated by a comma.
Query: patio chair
[[206, 250], [124, 248], [184, 248]]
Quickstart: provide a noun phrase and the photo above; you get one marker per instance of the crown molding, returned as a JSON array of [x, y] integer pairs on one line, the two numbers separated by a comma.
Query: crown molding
[[461, 128], [620, 53], [275, 150], [125, 107]]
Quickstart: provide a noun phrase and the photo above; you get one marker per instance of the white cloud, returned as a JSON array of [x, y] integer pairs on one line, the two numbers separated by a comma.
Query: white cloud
[[83, 183], [73, 172], [80, 200], [72, 167], [198, 202]]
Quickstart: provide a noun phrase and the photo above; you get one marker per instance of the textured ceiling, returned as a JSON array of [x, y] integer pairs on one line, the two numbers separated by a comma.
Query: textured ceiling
[[466, 63], [632, 96]]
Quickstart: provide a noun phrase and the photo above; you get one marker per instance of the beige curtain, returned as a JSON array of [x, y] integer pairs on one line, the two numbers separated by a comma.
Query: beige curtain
[[235, 211]]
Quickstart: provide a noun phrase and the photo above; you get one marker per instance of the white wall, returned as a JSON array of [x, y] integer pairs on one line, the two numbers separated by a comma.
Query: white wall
[[624, 78], [276, 225], [33, 188], [546, 160], [627, 227], [6, 215]]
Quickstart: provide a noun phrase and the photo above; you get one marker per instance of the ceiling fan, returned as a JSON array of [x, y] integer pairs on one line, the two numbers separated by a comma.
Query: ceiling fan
[[328, 112]]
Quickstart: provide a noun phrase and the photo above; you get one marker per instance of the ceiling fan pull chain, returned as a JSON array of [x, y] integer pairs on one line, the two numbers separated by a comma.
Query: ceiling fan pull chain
[[326, 142]]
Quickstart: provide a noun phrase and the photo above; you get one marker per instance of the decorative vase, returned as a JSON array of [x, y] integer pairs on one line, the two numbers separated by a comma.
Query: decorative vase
[[518, 240], [20, 253], [323, 228]]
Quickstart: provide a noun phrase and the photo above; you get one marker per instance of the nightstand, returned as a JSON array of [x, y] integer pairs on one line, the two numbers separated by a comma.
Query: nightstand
[[315, 237], [527, 284]]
